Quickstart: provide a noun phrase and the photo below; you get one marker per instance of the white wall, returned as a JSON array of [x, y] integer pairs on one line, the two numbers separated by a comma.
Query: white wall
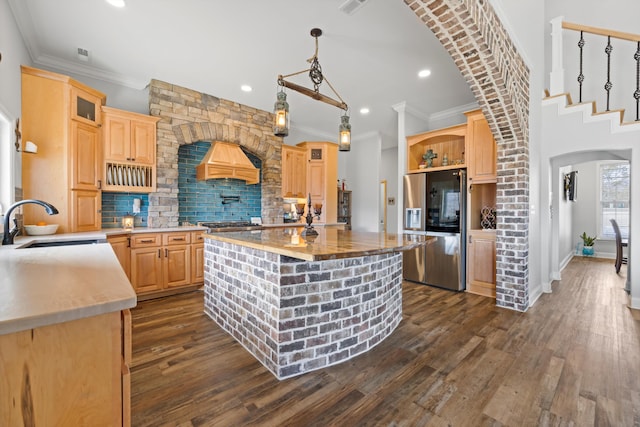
[[361, 169], [14, 53], [389, 172]]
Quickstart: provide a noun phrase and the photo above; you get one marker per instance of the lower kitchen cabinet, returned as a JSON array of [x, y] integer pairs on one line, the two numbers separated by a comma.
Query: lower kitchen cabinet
[[481, 263], [197, 257], [161, 263], [121, 245], [72, 373]]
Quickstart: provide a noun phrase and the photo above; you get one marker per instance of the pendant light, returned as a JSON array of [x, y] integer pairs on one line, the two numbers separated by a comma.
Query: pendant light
[[344, 139], [281, 112], [281, 107]]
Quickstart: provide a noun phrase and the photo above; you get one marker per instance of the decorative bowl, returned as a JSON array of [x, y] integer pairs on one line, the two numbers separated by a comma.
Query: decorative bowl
[[41, 230]]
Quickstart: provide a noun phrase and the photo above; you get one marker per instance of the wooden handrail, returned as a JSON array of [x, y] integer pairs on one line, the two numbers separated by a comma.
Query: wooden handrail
[[601, 31]]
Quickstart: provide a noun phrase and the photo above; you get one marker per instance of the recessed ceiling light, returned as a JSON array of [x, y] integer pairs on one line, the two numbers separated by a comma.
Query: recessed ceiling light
[[424, 73], [246, 88], [364, 110], [116, 3]]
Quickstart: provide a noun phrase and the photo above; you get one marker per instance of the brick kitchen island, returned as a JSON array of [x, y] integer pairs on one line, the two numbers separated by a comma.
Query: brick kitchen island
[[298, 305]]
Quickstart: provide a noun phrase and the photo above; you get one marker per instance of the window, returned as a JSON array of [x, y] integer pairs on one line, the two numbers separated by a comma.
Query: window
[[613, 198]]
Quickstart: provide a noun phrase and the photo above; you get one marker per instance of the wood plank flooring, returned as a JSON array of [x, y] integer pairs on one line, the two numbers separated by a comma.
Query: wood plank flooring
[[455, 360]]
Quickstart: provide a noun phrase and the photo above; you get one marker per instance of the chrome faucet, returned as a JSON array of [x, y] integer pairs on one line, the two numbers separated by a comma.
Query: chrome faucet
[[7, 238]]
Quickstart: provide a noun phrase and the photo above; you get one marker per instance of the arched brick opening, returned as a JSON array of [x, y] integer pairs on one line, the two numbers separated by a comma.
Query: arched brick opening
[[481, 48], [187, 116]]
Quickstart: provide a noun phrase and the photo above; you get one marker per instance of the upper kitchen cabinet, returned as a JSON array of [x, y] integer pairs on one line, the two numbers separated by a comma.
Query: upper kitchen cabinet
[[61, 116], [482, 149], [322, 174], [294, 172], [129, 151], [446, 147]]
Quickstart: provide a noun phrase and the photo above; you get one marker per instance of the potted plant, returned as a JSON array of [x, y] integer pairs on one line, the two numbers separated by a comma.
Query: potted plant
[[587, 248]]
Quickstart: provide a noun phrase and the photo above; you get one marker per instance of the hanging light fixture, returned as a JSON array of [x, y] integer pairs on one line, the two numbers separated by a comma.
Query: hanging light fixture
[[281, 111], [344, 143], [281, 107]]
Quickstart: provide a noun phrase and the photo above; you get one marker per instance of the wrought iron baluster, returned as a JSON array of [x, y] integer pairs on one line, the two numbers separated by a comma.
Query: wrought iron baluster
[[636, 94], [581, 44], [608, 85]]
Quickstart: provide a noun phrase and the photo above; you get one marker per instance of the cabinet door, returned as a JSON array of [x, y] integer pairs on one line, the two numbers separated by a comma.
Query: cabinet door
[[481, 262], [122, 248], [86, 210], [143, 142], [117, 134], [197, 263], [315, 183], [176, 265], [482, 147], [85, 107], [85, 156], [146, 269]]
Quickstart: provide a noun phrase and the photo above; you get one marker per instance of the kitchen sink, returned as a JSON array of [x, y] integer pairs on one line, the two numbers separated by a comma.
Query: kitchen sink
[[51, 243]]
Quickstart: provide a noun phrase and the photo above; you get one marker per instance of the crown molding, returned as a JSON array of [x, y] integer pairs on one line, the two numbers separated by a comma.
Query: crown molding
[[89, 71], [452, 112], [22, 16]]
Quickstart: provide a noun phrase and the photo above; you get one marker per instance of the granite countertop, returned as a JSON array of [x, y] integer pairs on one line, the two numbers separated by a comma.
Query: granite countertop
[[329, 244]]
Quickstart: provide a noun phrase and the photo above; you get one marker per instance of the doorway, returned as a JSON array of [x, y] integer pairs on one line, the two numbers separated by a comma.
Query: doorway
[[382, 207]]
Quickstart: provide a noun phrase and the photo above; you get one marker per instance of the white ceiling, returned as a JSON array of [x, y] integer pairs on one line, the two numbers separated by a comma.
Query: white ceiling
[[371, 57]]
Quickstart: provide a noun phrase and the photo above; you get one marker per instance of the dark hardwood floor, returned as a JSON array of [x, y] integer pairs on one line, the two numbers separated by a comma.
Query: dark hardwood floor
[[455, 360]]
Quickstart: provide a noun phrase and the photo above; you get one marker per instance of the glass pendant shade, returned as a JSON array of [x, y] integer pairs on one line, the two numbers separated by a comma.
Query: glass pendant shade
[[281, 119], [344, 143]]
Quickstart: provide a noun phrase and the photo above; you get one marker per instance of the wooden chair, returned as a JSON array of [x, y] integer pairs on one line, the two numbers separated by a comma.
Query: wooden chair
[[620, 258]]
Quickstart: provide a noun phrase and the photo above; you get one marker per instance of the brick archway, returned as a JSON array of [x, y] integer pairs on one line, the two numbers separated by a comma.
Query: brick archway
[[485, 55]]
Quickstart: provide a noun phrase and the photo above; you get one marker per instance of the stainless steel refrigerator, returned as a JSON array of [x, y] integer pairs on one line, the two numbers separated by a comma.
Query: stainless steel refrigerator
[[435, 205]]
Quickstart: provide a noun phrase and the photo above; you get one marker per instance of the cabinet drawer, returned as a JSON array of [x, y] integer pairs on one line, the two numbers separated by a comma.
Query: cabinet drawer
[[177, 238], [146, 240], [197, 236]]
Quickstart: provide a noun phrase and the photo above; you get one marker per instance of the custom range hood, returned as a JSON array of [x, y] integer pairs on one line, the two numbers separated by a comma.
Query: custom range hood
[[227, 160]]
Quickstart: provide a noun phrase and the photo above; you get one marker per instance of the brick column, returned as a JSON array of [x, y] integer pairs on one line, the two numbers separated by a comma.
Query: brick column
[[485, 55]]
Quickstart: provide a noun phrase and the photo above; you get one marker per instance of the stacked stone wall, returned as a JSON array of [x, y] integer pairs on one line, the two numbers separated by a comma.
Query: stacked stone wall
[[187, 116]]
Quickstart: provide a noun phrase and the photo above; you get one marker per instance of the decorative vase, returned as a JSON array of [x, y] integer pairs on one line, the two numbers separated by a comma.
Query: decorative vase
[[587, 250]]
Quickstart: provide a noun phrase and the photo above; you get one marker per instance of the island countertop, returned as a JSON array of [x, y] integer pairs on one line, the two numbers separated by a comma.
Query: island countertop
[[329, 244]]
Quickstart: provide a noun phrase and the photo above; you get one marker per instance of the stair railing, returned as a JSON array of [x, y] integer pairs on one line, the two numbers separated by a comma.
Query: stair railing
[[556, 84]]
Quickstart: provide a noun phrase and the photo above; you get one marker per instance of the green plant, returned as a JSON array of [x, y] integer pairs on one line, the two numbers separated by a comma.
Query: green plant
[[588, 241]]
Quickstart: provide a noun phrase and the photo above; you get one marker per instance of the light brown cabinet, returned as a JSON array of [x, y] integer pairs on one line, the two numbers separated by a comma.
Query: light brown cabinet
[[197, 257], [129, 151], [481, 186], [70, 373], [163, 262], [481, 261], [61, 116], [450, 142], [482, 149], [121, 245], [294, 172], [322, 175]]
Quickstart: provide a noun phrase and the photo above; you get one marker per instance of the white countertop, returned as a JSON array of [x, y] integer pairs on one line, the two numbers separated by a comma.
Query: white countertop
[[44, 286]]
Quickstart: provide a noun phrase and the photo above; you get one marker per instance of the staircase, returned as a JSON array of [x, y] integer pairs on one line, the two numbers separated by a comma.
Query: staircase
[[559, 96]]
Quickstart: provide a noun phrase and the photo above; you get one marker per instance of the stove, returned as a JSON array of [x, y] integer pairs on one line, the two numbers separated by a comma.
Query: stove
[[216, 227]]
